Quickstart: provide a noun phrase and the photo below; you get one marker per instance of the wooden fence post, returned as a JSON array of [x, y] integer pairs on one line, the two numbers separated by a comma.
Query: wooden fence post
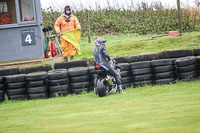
[[88, 20], [179, 16]]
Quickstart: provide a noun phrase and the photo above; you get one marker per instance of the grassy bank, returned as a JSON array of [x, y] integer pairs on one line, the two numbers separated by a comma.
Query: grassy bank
[[171, 108], [130, 44], [134, 44]]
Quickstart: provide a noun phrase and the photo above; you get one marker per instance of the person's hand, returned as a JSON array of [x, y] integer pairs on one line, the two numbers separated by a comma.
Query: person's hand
[[79, 28], [59, 34]]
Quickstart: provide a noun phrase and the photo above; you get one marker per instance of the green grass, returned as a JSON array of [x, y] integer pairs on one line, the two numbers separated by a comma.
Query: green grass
[[151, 109], [131, 44]]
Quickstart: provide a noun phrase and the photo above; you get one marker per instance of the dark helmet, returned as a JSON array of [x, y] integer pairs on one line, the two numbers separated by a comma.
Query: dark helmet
[[67, 7], [99, 41]]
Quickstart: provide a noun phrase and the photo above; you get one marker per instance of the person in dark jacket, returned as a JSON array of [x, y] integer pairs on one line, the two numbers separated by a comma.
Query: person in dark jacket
[[101, 57]]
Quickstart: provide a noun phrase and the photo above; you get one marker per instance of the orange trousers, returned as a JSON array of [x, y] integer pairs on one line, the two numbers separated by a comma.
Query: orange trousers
[[67, 48]]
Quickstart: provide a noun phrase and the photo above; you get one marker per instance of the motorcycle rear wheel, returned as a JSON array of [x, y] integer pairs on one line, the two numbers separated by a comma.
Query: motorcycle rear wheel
[[101, 88]]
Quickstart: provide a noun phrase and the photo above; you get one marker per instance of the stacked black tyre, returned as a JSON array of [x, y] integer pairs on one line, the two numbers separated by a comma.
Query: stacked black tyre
[[79, 80], [198, 64], [36, 85], [125, 73], [120, 59], [71, 64], [58, 82], [2, 90], [174, 67], [187, 68], [141, 73], [15, 87], [163, 71], [32, 69], [9, 71], [92, 74]]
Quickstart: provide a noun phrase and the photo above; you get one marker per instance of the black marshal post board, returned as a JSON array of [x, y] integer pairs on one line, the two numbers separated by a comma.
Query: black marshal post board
[[21, 36], [28, 37]]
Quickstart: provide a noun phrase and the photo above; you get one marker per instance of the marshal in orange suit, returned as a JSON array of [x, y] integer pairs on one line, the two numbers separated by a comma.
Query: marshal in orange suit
[[67, 22]]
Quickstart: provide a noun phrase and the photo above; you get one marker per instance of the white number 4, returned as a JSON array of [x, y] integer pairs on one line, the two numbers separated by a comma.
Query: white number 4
[[28, 39]]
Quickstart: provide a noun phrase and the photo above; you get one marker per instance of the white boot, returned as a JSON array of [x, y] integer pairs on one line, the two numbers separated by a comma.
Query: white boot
[[95, 91], [119, 89]]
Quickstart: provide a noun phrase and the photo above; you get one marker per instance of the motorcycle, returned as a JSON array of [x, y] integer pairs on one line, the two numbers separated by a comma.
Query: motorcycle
[[106, 84]]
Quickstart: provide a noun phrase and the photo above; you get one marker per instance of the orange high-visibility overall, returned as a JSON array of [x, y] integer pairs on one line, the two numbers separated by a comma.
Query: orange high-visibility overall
[[62, 26]]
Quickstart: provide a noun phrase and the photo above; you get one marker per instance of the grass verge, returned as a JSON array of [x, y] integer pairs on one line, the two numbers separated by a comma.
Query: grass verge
[[153, 109]]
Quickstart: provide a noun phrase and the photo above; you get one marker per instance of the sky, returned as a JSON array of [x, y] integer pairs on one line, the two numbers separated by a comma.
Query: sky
[[59, 4]]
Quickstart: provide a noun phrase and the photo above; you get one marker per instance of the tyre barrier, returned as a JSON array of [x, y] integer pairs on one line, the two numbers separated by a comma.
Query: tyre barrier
[[141, 73], [36, 85], [58, 82], [125, 73], [92, 75], [121, 59], [152, 71], [187, 68], [163, 71], [15, 87], [2, 90], [79, 80]]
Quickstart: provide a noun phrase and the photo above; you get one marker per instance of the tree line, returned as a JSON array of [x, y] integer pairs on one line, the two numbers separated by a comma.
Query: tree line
[[142, 18]]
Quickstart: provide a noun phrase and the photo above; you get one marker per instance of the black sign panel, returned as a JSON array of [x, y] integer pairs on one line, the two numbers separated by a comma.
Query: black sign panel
[[28, 37]]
